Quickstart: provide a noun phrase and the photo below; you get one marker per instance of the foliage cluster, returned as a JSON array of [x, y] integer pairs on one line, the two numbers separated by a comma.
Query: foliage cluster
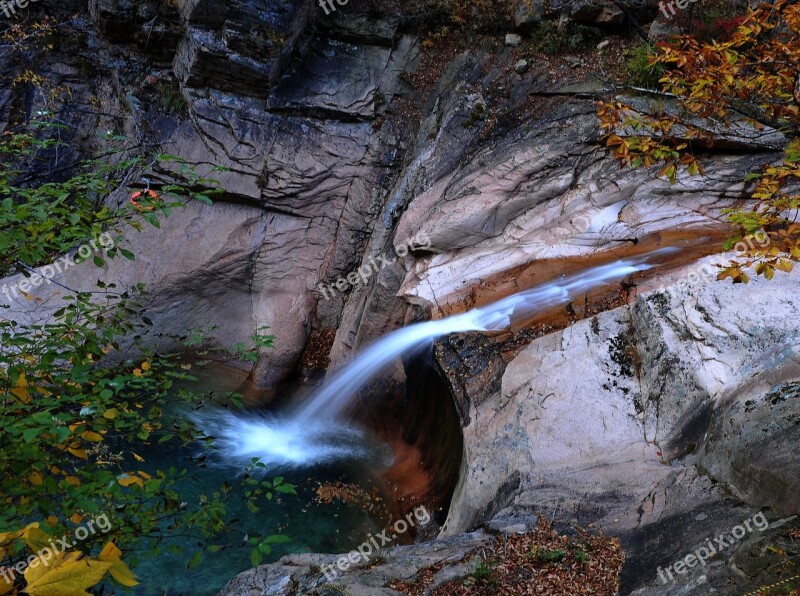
[[550, 37], [74, 405], [638, 68], [750, 79]]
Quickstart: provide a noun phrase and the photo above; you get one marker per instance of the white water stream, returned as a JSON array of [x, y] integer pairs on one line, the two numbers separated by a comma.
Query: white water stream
[[317, 432]]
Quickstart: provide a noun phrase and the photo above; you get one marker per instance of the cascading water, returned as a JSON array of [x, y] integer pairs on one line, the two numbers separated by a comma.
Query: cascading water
[[315, 433]]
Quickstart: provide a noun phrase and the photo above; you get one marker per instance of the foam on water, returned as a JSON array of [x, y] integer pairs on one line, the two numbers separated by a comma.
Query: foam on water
[[280, 442]]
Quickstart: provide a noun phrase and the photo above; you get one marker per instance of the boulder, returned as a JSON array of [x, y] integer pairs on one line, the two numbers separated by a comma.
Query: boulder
[[528, 13]]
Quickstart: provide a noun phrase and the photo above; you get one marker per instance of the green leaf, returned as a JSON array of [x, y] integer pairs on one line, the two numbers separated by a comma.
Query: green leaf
[[195, 560], [203, 199]]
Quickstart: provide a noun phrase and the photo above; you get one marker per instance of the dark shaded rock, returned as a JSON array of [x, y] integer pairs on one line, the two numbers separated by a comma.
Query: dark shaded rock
[[338, 79], [752, 446], [360, 29], [154, 26], [341, 80], [591, 12], [474, 367], [239, 46]]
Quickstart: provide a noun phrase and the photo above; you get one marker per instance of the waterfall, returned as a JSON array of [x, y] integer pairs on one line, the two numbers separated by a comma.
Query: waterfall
[[316, 433]]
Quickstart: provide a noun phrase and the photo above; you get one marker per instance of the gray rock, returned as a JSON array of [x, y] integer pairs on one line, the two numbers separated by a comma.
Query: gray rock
[[154, 26], [338, 79], [661, 30], [521, 67], [751, 442], [400, 562], [527, 15], [513, 520], [513, 40]]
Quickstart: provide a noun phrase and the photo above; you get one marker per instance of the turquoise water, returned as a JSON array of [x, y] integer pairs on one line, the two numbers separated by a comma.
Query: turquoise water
[[312, 527]]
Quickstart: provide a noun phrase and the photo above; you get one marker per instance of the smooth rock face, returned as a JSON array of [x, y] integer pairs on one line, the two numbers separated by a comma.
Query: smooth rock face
[[662, 388], [545, 194], [188, 269], [340, 79]]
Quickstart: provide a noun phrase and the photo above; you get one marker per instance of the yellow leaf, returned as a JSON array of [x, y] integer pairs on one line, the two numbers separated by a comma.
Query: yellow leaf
[[21, 390], [119, 570], [90, 435], [144, 475], [79, 453], [67, 575], [111, 413], [145, 366], [36, 478], [129, 480], [73, 480], [52, 521], [137, 372], [37, 539], [76, 518], [8, 537], [666, 171], [110, 551], [5, 587], [137, 457]]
